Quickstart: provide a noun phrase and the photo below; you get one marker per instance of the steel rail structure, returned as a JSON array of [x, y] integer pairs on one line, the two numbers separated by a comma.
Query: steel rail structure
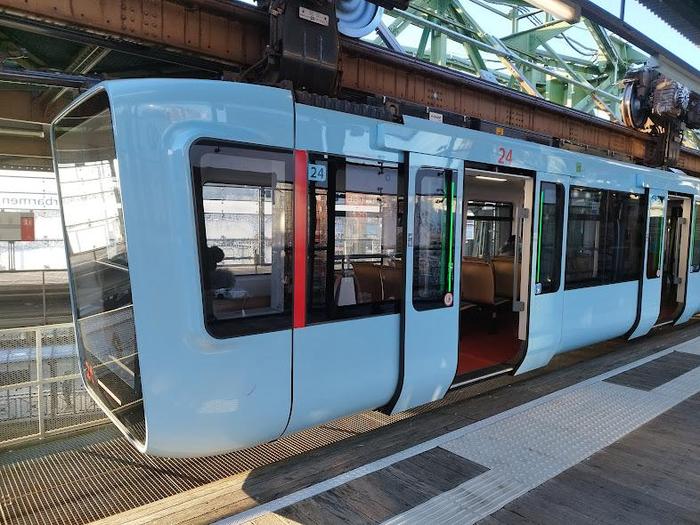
[[231, 36]]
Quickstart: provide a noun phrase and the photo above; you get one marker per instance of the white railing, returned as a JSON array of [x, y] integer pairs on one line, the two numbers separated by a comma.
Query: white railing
[[41, 391]]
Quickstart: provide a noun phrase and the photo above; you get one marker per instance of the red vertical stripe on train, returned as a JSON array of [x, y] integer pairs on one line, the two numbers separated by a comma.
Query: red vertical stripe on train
[[301, 193]]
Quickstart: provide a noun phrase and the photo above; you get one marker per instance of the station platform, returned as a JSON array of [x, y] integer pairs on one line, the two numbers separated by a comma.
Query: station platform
[[605, 434]]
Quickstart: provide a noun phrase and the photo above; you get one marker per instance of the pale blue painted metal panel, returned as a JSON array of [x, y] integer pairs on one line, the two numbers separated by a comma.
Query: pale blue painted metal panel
[[343, 367], [431, 336], [692, 301], [201, 395], [598, 313], [336, 133], [546, 310], [432, 138]]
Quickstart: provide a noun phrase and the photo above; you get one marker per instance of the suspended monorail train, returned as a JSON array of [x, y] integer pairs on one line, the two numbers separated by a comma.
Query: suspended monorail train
[[244, 266]]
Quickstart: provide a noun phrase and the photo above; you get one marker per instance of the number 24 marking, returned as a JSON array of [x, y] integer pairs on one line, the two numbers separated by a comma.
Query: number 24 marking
[[505, 156]]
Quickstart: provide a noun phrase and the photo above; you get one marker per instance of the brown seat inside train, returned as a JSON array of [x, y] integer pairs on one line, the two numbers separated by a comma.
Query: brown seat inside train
[[477, 282], [375, 283], [503, 275], [368, 282], [486, 282], [392, 281]]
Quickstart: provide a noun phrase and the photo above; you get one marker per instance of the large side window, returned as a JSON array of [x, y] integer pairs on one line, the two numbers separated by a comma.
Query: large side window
[[355, 247], [244, 211], [625, 230], [91, 203], [549, 239], [656, 237], [584, 238], [434, 223], [605, 237], [695, 240], [488, 229]]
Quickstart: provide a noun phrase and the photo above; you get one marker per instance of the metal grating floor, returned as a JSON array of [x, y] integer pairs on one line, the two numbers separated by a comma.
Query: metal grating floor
[[94, 475], [91, 476]]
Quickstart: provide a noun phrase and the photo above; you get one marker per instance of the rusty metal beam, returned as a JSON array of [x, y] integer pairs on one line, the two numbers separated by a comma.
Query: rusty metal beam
[[235, 35], [372, 70], [207, 28]]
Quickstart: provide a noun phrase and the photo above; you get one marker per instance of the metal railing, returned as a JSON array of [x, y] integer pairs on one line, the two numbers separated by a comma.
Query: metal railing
[[41, 391]]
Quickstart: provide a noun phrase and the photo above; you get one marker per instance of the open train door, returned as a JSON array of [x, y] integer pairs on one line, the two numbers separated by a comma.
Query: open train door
[[541, 268], [692, 288], [651, 279], [430, 310]]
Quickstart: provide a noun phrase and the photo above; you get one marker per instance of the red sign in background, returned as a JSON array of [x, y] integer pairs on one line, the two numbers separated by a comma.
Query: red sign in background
[[27, 228]]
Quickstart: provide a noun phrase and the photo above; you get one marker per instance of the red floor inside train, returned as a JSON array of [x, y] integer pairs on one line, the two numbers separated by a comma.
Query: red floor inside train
[[486, 341]]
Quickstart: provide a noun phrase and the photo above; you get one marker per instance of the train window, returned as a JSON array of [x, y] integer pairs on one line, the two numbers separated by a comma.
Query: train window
[[488, 229], [695, 260], [583, 244], [244, 211], [88, 179], [656, 236], [625, 233], [551, 218], [605, 237], [433, 240], [355, 252]]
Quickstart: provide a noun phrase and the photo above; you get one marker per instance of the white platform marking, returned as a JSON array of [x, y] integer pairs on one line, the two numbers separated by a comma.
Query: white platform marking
[[524, 446]]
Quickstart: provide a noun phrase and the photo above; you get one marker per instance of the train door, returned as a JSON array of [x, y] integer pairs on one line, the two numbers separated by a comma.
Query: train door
[[494, 270], [692, 288], [430, 312], [546, 290], [674, 274], [650, 286], [349, 284]]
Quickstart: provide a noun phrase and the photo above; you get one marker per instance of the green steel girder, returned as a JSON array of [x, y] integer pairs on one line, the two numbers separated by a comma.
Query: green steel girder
[[577, 65], [540, 56], [530, 39]]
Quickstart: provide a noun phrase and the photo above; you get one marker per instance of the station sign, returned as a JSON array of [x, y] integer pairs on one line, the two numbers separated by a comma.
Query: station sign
[[28, 201]]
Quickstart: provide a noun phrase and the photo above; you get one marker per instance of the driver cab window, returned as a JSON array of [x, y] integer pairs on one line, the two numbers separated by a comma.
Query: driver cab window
[[244, 201]]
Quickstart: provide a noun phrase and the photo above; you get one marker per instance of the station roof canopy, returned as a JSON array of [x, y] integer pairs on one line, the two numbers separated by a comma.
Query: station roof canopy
[[684, 15]]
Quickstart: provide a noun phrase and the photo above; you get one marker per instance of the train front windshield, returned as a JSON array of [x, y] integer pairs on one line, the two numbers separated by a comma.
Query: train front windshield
[[97, 256]]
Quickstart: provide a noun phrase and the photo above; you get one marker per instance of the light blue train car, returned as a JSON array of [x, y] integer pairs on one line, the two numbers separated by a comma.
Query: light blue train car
[[244, 266]]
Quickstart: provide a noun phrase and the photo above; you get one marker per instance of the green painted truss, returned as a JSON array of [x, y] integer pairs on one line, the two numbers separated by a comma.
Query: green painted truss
[[509, 42]]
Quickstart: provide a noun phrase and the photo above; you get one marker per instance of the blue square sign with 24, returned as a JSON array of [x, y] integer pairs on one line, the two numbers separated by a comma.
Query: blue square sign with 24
[[317, 172]]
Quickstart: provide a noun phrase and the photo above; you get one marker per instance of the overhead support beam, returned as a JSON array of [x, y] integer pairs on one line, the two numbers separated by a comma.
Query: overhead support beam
[[508, 58], [372, 70], [388, 38], [205, 34], [221, 36], [602, 17], [83, 64], [44, 78], [19, 56], [598, 101]]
